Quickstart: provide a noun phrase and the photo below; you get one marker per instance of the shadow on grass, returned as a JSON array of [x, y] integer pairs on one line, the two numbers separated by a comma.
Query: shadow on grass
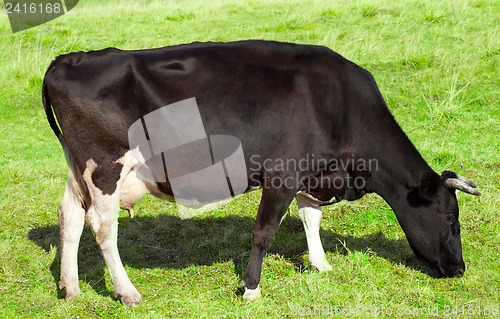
[[167, 241]]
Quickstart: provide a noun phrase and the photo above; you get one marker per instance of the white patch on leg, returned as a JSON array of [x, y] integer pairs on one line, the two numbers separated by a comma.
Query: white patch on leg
[[102, 217], [71, 221], [252, 294], [311, 218]]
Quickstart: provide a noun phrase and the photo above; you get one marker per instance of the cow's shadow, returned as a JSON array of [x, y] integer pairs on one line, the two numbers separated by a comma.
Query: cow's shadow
[[167, 241]]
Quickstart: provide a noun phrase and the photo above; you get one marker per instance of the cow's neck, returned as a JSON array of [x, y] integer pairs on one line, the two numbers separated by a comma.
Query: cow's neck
[[399, 165]]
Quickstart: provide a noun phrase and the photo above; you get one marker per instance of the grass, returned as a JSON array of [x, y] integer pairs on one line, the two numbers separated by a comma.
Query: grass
[[437, 66]]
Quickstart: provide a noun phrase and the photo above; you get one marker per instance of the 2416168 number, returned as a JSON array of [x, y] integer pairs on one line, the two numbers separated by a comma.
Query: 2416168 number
[[33, 8]]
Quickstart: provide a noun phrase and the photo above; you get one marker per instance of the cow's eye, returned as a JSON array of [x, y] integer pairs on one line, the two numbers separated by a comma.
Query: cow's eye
[[450, 218]]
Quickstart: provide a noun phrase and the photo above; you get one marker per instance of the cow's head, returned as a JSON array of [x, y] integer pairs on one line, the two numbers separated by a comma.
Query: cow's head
[[431, 224]]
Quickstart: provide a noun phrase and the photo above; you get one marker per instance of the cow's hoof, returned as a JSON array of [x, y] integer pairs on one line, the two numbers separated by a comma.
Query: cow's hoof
[[252, 294], [322, 266], [69, 292], [130, 301], [72, 295]]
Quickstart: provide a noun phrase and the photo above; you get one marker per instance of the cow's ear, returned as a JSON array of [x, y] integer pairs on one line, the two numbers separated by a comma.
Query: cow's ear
[[429, 186]]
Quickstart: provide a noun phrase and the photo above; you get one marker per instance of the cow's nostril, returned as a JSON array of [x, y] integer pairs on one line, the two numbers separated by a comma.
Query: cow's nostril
[[459, 273]]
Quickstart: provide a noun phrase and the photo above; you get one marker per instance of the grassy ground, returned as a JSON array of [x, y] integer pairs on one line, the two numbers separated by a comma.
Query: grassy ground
[[437, 65]]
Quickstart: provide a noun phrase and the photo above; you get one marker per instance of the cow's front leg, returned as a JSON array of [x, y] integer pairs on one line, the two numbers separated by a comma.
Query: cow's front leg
[[272, 208], [311, 218], [71, 221]]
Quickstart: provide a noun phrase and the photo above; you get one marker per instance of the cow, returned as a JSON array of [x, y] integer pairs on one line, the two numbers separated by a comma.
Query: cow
[[286, 103]]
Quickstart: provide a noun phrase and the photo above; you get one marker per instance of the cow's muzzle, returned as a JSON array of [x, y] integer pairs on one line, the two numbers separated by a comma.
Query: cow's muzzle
[[453, 271]]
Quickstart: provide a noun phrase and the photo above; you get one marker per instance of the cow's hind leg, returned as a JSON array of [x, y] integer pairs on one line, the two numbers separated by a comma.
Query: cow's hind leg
[[311, 218], [102, 217], [71, 221], [272, 208]]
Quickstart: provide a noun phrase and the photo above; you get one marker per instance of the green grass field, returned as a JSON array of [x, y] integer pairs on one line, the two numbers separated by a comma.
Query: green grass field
[[437, 64]]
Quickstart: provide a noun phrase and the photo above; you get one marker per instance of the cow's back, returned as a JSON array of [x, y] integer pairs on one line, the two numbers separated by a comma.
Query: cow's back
[[253, 90]]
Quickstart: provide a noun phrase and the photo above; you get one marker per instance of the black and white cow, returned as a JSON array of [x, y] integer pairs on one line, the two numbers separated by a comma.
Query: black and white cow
[[286, 103]]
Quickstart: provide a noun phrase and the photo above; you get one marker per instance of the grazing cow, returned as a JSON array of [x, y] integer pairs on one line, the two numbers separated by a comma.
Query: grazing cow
[[312, 125]]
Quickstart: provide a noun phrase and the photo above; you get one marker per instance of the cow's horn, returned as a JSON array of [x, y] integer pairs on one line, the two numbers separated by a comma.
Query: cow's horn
[[463, 184], [466, 181]]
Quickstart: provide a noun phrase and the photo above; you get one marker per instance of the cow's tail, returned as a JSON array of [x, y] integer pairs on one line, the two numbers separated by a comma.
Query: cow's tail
[[49, 112], [79, 187]]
